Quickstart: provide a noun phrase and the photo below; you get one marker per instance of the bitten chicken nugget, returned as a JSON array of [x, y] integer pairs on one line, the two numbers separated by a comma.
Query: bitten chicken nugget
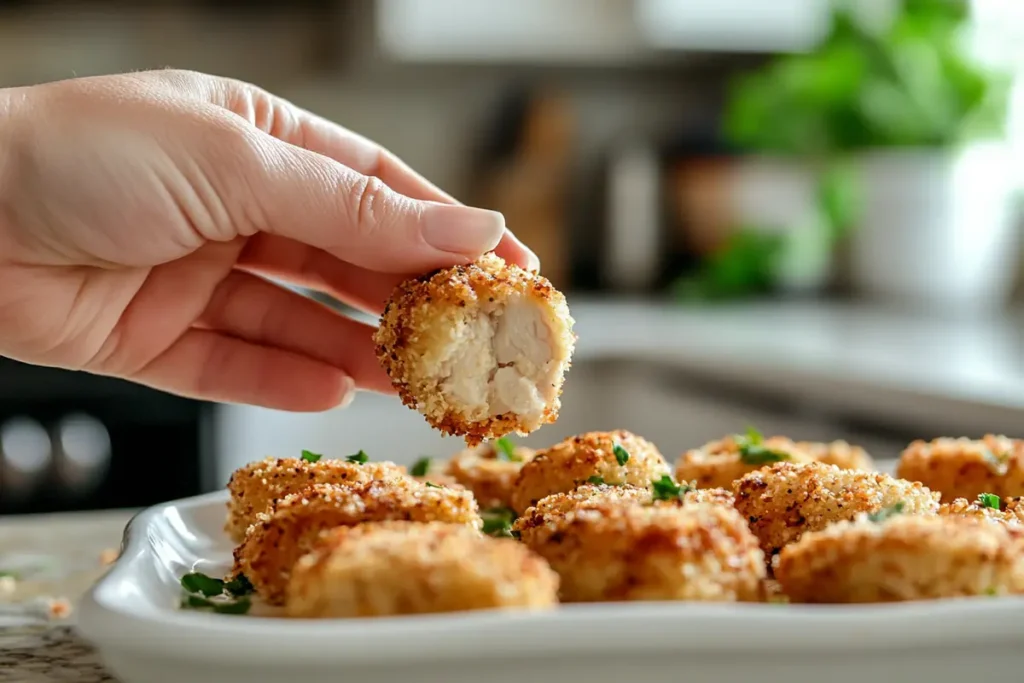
[[289, 530], [963, 468], [490, 471], [718, 464], [786, 500], [986, 506], [255, 487], [617, 457], [902, 558], [481, 350], [399, 568], [608, 546]]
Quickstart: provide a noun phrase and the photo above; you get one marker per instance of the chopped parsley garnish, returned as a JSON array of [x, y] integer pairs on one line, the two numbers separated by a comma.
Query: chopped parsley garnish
[[886, 513], [361, 457], [666, 489], [504, 449], [432, 485], [194, 582], [204, 592], [754, 452], [498, 522], [310, 456], [989, 500], [621, 454], [239, 586], [420, 467], [596, 480]]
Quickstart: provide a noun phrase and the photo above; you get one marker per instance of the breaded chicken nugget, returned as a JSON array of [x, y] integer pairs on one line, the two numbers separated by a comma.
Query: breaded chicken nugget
[[962, 468], [607, 546], [255, 487], [481, 350], [786, 500], [590, 495], [718, 464], [490, 471], [289, 530], [617, 457], [986, 506], [904, 557], [839, 453], [395, 568]]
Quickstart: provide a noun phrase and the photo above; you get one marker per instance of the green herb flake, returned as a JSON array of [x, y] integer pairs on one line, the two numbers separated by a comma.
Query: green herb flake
[[667, 489], [239, 586], [420, 467], [621, 454], [989, 500], [504, 449], [595, 480], [239, 606], [310, 456], [753, 452], [359, 457], [432, 485], [196, 582], [886, 513], [498, 522]]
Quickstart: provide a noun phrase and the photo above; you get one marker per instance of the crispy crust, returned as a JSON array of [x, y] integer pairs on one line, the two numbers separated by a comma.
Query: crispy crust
[[491, 480], [400, 568], [905, 558], [255, 487], [572, 462], [608, 545], [1011, 510], [964, 468], [427, 308], [717, 464], [839, 453], [276, 541], [786, 500]]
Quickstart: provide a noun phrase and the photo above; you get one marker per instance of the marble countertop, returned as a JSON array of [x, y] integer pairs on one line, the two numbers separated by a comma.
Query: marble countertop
[[47, 562]]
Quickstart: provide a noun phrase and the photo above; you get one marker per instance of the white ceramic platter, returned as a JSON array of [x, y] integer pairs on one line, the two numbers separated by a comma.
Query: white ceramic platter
[[132, 617]]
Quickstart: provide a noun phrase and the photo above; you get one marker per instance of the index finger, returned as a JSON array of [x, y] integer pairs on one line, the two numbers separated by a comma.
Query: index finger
[[302, 128]]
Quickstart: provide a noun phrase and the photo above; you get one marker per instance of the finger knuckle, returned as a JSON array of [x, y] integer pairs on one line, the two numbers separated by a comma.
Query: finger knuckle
[[371, 201]]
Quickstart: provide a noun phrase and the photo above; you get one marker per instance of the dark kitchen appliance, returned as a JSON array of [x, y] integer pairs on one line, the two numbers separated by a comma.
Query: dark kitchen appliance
[[75, 441]]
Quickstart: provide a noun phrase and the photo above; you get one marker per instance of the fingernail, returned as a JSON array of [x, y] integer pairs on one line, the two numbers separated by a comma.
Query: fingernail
[[532, 260], [462, 229], [349, 386]]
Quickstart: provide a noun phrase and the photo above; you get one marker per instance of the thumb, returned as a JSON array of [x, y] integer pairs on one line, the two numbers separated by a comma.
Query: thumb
[[315, 200]]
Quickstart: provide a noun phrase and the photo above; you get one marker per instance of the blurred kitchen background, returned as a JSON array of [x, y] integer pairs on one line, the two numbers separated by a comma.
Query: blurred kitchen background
[[792, 214]]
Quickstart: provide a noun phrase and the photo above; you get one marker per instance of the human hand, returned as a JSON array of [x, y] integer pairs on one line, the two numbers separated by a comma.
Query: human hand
[[140, 215]]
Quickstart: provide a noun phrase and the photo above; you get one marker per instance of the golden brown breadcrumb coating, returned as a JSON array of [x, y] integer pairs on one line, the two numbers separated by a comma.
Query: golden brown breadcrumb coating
[[583, 458], [1009, 510], [718, 464], [906, 557], [786, 500], [843, 455], [488, 473], [480, 350], [607, 545], [964, 468], [255, 487], [276, 541], [400, 568]]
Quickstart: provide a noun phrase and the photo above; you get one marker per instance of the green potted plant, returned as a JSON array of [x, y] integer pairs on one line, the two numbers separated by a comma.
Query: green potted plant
[[901, 132]]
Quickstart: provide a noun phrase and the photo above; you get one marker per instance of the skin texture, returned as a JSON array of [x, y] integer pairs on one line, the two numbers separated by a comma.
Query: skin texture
[[140, 214]]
